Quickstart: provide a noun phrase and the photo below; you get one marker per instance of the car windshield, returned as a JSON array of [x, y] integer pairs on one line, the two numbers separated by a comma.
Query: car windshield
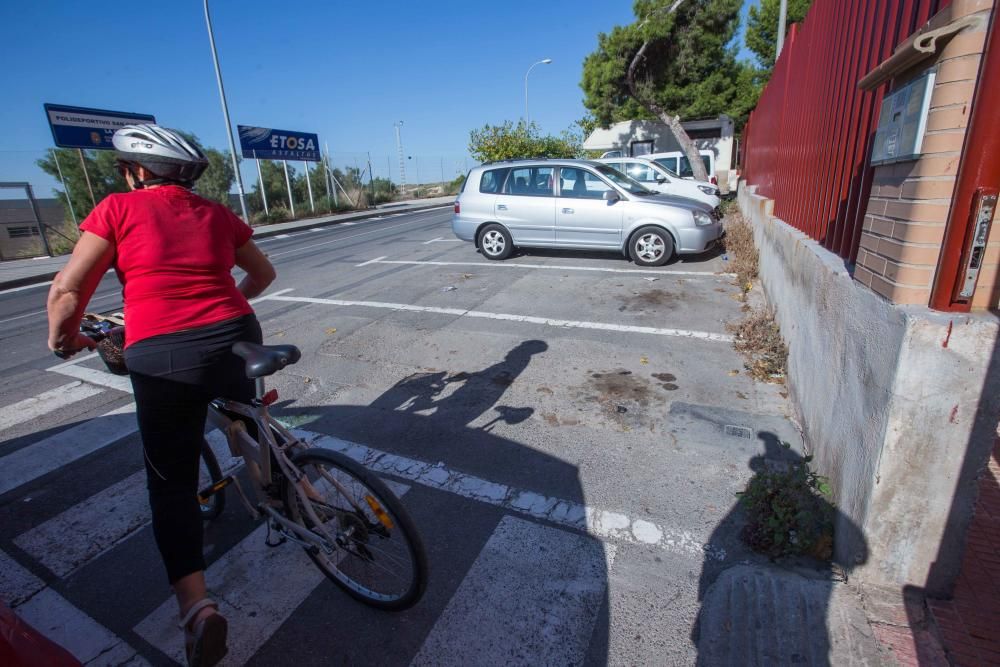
[[621, 180], [667, 169]]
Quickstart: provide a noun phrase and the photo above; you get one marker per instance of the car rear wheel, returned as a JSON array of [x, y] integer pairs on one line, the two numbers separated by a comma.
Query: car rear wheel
[[650, 246], [495, 242]]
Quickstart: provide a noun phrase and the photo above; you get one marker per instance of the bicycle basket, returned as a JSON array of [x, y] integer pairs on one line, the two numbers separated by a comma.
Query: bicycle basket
[[112, 350]]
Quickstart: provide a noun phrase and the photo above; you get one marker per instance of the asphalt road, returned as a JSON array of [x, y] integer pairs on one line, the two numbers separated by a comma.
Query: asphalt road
[[567, 429]]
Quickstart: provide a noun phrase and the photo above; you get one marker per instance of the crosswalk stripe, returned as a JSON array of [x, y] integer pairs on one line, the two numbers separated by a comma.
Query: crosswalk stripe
[[94, 376], [52, 615], [532, 596], [47, 401], [56, 451], [257, 588], [73, 538], [89, 641], [16, 583]]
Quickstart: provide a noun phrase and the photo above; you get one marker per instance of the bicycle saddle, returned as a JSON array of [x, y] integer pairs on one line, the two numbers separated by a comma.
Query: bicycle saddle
[[262, 360]]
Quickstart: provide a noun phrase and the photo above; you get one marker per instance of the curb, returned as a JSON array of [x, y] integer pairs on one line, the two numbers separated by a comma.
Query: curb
[[258, 233], [263, 232]]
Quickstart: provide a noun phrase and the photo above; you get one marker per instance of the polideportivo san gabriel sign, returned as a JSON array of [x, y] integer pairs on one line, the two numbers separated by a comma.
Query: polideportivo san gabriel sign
[[264, 143]]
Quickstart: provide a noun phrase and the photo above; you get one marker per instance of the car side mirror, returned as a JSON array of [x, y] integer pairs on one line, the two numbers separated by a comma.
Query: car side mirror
[[611, 196], [661, 180]]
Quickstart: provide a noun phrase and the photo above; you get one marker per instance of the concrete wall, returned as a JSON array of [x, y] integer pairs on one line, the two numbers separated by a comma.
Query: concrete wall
[[890, 413]]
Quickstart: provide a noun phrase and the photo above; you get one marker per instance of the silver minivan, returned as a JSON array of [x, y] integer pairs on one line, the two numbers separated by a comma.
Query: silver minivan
[[577, 204]]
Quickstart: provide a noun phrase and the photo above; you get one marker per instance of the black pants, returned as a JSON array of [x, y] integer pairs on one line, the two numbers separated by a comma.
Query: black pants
[[174, 376]]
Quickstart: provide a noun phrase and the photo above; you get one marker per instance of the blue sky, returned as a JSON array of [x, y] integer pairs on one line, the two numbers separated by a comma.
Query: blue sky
[[346, 71]]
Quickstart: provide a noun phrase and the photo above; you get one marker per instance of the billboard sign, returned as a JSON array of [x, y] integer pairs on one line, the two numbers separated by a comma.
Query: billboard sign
[[265, 143], [79, 127]]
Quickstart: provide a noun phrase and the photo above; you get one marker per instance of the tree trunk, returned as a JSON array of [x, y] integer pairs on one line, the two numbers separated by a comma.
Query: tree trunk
[[686, 144], [672, 121]]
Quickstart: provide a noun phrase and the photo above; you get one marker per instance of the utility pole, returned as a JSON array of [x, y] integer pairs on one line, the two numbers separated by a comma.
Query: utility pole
[[225, 113], [782, 17], [402, 161]]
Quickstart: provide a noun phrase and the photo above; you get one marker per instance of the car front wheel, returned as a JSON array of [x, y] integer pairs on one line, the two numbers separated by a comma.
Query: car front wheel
[[495, 242], [651, 246]]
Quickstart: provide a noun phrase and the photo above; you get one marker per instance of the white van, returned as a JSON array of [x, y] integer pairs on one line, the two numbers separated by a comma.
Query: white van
[[660, 179], [677, 162]]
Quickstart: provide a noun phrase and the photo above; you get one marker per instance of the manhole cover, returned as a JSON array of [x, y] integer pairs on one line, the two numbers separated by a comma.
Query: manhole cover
[[739, 431]]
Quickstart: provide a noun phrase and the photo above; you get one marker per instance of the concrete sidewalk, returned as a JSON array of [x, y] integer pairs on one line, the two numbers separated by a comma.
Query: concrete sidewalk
[[19, 272]]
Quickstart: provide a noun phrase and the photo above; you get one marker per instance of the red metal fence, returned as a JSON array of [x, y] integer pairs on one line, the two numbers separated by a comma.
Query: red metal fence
[[807, 143]]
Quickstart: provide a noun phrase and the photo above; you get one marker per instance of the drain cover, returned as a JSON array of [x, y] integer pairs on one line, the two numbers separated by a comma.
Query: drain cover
[[739, 431]]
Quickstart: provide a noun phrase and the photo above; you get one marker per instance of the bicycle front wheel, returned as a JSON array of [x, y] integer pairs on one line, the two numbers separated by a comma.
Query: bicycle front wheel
[[377, 556]]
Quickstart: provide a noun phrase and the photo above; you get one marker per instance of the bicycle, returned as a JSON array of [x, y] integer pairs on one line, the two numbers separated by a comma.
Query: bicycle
[[345, 518]]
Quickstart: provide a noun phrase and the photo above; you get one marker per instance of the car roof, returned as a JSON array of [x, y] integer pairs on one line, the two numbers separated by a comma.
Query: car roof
[[536, 160]]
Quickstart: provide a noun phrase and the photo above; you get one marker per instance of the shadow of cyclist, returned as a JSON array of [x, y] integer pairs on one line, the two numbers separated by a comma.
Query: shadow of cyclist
[[463, 397], [506, 584]]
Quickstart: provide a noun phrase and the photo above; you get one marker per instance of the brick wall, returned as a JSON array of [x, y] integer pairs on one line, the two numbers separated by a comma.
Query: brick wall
[[909, 204]]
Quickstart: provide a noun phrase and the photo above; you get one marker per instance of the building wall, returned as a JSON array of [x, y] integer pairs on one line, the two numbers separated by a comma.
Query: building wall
[[892, 400], [910, 201]]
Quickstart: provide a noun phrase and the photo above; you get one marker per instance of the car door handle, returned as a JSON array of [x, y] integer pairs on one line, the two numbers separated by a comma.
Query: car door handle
[[567, 210], [501, 207]]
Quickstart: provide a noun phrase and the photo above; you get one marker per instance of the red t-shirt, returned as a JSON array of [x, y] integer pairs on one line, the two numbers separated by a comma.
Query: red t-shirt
[[174, 255]]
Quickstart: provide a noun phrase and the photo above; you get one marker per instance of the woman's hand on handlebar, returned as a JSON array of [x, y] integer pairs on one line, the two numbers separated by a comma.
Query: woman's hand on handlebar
[[67, 348]]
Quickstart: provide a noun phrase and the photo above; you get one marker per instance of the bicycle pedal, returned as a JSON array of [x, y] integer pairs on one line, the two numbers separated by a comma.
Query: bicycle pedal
[[211, 490]]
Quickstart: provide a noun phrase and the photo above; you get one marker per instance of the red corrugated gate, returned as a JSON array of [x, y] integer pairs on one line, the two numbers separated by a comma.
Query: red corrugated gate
[[807, 142]]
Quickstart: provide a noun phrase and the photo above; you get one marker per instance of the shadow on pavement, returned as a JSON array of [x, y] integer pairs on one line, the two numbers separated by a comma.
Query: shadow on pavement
[[761, 612], [505, 585]]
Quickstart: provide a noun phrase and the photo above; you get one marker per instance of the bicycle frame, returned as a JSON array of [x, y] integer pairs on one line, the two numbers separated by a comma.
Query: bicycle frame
[[256, 455]]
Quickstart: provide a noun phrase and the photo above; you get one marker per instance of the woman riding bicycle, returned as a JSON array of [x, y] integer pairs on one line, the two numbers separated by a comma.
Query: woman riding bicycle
[[173, 252]]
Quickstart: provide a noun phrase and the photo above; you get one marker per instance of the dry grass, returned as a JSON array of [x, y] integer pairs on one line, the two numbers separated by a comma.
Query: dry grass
[[758, 339], [742, 252]]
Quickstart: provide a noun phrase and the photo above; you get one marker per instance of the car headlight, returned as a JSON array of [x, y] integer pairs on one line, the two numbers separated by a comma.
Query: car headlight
[[701, 218], [709, 190]]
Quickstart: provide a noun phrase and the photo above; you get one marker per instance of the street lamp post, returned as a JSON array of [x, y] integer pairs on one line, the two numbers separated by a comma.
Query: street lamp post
[[399, 150], [546, 61], [225, 113]]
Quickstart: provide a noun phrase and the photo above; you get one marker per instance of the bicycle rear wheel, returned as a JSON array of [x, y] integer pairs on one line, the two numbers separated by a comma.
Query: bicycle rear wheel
[[378, 557], [209, 473]]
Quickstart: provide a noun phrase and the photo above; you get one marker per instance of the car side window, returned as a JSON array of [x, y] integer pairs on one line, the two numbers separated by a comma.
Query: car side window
[[492, 180], [668, 162], [642, 172], [581, 184], [530, 181]]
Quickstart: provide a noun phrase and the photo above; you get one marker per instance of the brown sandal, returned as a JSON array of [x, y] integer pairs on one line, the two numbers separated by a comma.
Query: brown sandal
[[204, 640]]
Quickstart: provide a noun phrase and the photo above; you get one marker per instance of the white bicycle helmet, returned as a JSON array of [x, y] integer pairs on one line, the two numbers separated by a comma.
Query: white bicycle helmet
[[164, 153]]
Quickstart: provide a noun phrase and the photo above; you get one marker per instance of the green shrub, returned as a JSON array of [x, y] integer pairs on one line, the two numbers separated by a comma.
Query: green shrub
[[275, 215], [787, 513]]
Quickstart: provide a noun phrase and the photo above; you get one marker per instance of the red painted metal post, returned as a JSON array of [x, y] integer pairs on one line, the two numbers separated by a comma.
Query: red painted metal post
[[980, 167]]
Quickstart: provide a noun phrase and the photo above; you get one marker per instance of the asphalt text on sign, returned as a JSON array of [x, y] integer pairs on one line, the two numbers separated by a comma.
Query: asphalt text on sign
[[265, 143], [79, 127]]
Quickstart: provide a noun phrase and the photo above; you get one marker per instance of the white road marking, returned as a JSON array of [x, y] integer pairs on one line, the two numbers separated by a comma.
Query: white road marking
[[352, 236], [25, 287], [94, 376], [527, 319], [89, 641], [371, 261], [257, 588], [42, 312], [442, 240], [31, 462], [531, 597], [281, 236], [47, 401], [17, 583], [437, 238], [549, 267], [600, 523], [70, 540], [317, 229]]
